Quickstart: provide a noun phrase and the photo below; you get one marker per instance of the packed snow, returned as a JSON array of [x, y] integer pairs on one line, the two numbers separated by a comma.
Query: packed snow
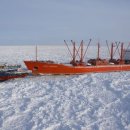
[[98, 101]]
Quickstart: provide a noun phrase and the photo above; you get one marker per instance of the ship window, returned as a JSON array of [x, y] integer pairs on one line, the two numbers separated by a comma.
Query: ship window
[[35, 68]]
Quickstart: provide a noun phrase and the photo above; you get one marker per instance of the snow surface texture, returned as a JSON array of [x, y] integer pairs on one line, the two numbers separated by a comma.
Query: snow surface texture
[[79, 102]]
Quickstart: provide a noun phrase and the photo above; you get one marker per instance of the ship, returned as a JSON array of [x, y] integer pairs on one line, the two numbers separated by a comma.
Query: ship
[[8, 72], [78, 66], [4, 75]]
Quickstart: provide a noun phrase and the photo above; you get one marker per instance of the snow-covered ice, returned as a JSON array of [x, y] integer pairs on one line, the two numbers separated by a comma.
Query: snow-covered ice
[[78, 102]]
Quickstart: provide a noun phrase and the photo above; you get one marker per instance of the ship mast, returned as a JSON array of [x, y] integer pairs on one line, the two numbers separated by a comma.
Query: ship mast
[[112, 51], [74, 49], [80, 52], [98, 51], [36, 52], [81, 58], [121, 56]]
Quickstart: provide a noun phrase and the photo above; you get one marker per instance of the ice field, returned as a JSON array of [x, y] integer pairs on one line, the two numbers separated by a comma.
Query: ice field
[[98, 101]]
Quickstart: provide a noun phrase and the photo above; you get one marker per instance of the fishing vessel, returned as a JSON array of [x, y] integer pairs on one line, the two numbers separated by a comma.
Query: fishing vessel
[[79, 66], [5, 75], [11, 72]]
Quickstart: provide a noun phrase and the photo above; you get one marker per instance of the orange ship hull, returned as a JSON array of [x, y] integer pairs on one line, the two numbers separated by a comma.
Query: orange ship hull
[[41, 67]]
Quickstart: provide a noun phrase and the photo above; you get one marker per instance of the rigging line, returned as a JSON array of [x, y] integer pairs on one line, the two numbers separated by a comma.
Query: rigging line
[[108, 48], [126, 49], [117, 48], [68, 49], [77, 51], [87, 48]]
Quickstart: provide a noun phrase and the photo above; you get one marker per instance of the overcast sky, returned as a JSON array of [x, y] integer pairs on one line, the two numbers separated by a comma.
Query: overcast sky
[[53, 21]]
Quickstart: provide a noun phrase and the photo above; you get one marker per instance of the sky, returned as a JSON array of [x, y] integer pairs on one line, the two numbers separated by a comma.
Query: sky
[[53, 21]]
